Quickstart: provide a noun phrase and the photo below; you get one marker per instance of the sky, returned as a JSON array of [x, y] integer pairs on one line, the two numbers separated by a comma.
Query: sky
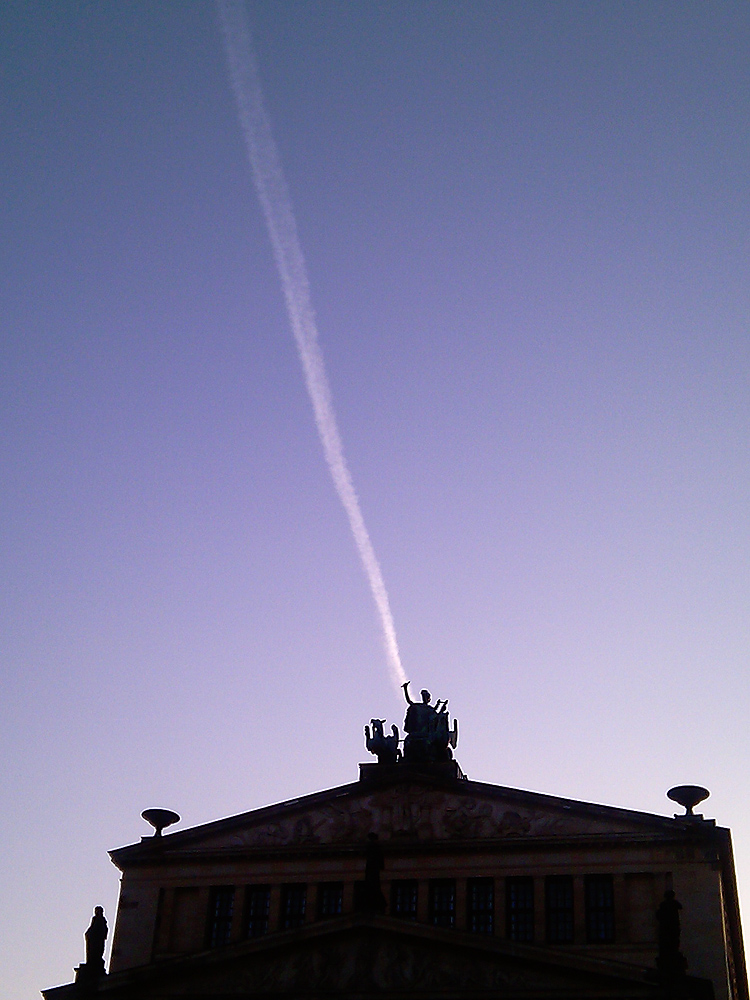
[[525, 227]]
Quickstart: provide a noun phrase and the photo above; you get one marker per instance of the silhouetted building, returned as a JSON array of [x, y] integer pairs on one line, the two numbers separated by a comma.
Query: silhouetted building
[[469, 890]]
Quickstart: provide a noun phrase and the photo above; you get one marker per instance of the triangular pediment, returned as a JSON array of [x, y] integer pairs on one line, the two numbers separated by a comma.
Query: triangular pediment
[[368, 956], [409, 807]]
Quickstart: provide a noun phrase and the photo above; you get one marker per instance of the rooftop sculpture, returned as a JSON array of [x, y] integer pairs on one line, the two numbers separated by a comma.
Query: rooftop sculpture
[[429, 738], [89, 973]]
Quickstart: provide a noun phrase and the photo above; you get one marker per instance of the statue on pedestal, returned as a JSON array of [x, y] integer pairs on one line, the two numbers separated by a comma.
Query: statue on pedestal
[[385, 747], [89, 972], [429, 739]]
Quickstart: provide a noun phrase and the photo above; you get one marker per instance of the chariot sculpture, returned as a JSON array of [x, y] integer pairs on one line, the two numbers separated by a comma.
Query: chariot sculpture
[[429, 737]]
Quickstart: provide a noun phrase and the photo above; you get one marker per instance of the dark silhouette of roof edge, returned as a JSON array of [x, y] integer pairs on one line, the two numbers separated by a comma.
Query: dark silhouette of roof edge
[[403, 774]]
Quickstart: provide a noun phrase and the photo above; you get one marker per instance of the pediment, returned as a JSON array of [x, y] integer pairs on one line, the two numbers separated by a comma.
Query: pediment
[[413, 809], [381, 956], [367, 960], [404, 812]]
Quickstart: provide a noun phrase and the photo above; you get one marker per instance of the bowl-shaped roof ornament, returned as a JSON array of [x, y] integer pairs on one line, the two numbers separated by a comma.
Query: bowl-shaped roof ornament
[[688, 796], [159, 818]]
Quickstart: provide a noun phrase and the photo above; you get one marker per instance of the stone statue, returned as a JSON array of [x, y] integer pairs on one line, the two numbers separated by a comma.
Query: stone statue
[[385, 747], [95, 936], [670, 960], [429, 739]]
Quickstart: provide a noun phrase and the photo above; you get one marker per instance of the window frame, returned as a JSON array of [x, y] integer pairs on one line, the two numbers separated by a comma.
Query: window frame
[[520, 912], [559, 909], [480, 913], [293, 918], [328, 891], [220, 916], [253, 893], [404, 886], [441, 915], [599, 899]]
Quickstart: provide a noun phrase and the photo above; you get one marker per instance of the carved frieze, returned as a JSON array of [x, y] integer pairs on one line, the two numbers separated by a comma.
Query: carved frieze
[[409, 812]]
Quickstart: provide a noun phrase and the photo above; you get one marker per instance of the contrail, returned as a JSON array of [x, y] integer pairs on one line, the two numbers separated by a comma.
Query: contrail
[[273, 193]]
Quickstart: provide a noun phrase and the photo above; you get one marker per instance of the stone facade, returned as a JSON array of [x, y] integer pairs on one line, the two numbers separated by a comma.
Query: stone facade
[[488, 891]]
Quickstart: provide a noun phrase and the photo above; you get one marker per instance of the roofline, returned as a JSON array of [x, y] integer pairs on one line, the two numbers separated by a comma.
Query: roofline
[[404, 774]]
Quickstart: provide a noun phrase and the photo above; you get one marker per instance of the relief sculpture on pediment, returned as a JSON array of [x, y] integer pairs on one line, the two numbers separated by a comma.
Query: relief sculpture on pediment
[[513, 824], [469, 820], [404, 813], [337, 823], [411, 812], [331, 824], [304, 831], [474, 820], [545, 825], [272, 835]]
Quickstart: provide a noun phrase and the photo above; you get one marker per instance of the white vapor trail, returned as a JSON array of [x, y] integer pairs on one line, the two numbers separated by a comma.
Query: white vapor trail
[[282, 228]]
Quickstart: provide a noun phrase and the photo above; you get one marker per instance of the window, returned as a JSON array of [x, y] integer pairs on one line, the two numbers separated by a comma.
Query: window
[[519, 908], [220, 907], [559, 893], [404, 899], [443, 902], [293, 901], [257, 908], [481, 905], [330, 899], [600, 909]]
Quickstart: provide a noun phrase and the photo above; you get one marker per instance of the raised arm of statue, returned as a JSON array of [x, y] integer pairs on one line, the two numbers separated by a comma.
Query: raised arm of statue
[[405, 686]]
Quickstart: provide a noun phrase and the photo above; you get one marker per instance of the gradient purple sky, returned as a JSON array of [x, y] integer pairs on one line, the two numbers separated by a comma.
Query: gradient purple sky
[[526, 228]]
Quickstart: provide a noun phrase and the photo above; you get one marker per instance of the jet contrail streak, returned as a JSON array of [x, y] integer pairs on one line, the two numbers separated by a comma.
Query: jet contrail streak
[[282, 228]]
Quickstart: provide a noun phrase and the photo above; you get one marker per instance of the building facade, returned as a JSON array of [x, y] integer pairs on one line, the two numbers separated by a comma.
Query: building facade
[[414, 881]]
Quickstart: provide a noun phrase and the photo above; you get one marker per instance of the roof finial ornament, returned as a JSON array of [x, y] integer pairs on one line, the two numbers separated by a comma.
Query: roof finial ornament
[[688, 796], [159, 818]]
